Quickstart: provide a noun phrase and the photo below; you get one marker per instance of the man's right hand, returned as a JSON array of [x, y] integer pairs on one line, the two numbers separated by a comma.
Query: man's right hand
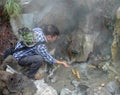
[[63, 63]]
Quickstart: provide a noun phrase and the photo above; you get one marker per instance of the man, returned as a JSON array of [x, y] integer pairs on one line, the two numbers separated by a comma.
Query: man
[[34, 55]]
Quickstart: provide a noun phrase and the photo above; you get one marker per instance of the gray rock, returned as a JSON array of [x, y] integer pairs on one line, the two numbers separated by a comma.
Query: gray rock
[[44, 89], [65, 91], [111, 86]]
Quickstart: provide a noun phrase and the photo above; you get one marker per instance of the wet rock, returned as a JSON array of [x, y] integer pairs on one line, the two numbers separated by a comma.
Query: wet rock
[[118, 13], [20, 83], [117, 91], [116, 43], [75, 83], [81, 90], [95, 90], [65, 91], [11, 64], [54, 79], [83, 69], [51, 76], [44, 89], [16, 84], [112, 87]]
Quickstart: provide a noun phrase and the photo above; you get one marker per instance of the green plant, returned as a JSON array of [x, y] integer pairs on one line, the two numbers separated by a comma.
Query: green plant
[[12, 8]]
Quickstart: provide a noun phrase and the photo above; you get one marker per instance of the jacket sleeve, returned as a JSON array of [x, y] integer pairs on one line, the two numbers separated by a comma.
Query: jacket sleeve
[[42, 50]]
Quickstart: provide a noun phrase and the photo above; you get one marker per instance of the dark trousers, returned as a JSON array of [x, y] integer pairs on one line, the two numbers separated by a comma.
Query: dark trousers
[[33, 62]]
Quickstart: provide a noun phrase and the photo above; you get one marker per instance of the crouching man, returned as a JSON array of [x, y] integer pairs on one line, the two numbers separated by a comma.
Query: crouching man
[[34, 50]]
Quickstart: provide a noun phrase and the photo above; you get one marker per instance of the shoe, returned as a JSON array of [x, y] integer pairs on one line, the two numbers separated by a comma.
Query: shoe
[[38, 76]]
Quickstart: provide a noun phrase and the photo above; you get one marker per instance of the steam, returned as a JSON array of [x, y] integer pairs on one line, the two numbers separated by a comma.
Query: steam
[[84, 16]]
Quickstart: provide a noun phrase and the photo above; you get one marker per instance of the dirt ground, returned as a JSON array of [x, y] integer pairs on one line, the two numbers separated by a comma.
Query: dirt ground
[[7, 39]]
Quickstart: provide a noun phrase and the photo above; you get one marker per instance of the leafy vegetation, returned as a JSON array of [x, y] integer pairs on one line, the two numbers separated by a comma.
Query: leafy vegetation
[[12, 8]]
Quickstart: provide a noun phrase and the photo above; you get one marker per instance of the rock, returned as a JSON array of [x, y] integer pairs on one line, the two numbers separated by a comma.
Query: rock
[[20, 83], [44, 89], [16, 83], [95, 90], [112, 86], [117, 91], [81, 90], [65, 91], [118, 13], [75, 83]]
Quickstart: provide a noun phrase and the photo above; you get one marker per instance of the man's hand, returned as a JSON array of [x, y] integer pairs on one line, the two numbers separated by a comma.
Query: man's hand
[[63, 63]]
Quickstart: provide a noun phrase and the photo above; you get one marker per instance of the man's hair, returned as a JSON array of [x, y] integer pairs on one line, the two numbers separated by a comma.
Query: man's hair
[[50, 30]]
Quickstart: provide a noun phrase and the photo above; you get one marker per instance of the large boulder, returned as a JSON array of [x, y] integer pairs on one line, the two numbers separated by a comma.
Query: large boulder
[[16, 84]]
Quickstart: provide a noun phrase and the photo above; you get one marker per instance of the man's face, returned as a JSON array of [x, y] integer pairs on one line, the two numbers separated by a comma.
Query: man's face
[[51, 38]]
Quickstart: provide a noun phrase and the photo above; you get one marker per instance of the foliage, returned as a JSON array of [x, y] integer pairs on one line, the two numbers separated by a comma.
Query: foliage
[[12, 8]]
